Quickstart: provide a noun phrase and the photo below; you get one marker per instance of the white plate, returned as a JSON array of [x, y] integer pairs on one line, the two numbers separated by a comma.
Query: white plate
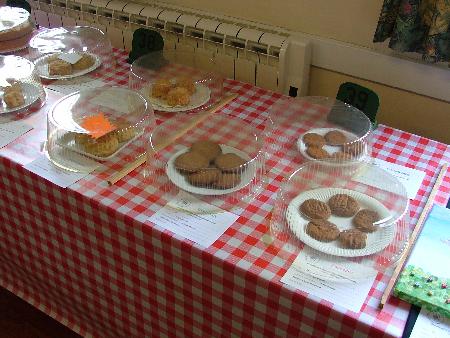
[[199, 98], [181, 182], [301, 146], [30, 94], [42, 67], [69, 143], [376, 241]]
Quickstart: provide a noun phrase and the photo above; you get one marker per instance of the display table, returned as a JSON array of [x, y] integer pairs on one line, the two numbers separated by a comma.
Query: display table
[[88, 257]]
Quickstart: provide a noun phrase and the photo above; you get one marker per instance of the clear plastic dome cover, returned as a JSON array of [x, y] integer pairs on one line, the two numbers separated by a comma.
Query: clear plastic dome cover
[[341, 217], [177, 81], [16, 28], [219, 160], [107, 125], [68, 52], [320, 128], [20, 88]]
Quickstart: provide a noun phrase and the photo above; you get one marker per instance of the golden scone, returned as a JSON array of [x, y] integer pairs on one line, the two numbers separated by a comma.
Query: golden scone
[[13, 96], [178, 96], [160, 88], [59, 67], [102, 146], [187, 83], [85, 62]]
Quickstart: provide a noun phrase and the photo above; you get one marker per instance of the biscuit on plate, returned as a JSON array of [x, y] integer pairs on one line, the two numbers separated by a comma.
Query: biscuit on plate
[[13, 97], [191, 162], [315, 209], [317, 153], [343, 205], [178, 96], [59, 67], [353, 239], [335, 138], [314, 139], [229, 162], [160, 88], [322, 230], [204, 177], [207, 148], [187, 83], [227, 181], [364, 220], [85, 62]]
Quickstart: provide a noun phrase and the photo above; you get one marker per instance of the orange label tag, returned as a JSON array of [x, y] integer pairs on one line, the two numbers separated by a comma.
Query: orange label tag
[[97, 125]]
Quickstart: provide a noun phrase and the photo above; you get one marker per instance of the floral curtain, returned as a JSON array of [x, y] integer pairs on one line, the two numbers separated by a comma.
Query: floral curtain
[[421, 26]]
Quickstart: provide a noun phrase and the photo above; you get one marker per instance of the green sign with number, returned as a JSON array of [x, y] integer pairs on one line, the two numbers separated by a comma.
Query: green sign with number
[[145, 41], [361, 98]]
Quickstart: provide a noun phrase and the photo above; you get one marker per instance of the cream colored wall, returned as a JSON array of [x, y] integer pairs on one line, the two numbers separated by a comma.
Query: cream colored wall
[[351, 21]]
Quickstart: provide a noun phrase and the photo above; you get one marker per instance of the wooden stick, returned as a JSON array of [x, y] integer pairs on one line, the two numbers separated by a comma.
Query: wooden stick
[[414, 235], [194, 122]]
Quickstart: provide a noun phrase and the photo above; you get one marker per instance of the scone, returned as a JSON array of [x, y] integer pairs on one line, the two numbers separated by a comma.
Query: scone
[[317, 152], [160, 88], [207, 148], [85, 62], [59, 67], [187, 83], [178, 96], [322, 230], [102, 146], [13, 96]]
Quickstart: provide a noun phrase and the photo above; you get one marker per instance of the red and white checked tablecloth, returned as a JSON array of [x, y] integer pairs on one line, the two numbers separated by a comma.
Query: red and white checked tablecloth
[[88, 257]]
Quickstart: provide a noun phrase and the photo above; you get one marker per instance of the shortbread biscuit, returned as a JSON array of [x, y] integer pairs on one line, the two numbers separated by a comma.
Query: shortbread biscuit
[[322, 230], [364, 220], [343, 205], [352, 239], [315, 209]]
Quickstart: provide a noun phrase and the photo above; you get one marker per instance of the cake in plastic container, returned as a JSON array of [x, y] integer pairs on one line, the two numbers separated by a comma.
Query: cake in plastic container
[[16, 28], [106, 125], [177, 81], [220, 160], [70, 52], [20, 88], [337, 220]]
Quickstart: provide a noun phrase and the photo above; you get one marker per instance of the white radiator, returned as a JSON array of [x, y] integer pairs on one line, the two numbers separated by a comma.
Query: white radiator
[[265, 56]]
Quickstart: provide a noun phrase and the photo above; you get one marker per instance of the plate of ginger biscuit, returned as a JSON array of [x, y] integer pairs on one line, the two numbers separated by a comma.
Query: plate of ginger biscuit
[[340, 222], [60, 66], [331, 144], [176, 95], [210, 168]]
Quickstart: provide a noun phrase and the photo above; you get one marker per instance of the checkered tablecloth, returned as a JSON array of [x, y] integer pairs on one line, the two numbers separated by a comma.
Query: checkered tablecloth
[[88, 257]]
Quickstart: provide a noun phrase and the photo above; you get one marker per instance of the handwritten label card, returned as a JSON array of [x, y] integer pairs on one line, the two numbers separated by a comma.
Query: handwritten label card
[[410, 178], [46, 169], [194, 219], [338, 283], [12, 130], [431, 325]]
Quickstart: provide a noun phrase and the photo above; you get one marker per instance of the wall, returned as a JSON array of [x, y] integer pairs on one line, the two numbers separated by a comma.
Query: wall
[[351, 21]]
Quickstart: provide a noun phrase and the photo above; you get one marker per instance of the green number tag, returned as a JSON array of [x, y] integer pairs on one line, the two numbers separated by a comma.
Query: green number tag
[[144, 42], [360, 97]]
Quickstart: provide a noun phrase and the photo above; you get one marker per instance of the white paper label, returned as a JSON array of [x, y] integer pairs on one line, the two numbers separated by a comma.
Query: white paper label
[[431, 325], [193, 219], [71, 58], [337, 284], [11, 131]]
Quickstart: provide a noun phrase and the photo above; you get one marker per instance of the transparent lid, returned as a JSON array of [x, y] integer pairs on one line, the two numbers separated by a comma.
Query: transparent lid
[[342, 219], [219, 159], [20, 88], [15, 29], [320, 128], [68, 52], [177, 81], [98, 125]]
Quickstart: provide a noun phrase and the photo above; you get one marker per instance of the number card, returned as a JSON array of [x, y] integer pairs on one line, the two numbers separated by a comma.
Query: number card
[[361, 98], [144, 42]]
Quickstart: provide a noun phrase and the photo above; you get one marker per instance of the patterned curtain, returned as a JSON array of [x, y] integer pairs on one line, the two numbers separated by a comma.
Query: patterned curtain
[[421, 26]]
